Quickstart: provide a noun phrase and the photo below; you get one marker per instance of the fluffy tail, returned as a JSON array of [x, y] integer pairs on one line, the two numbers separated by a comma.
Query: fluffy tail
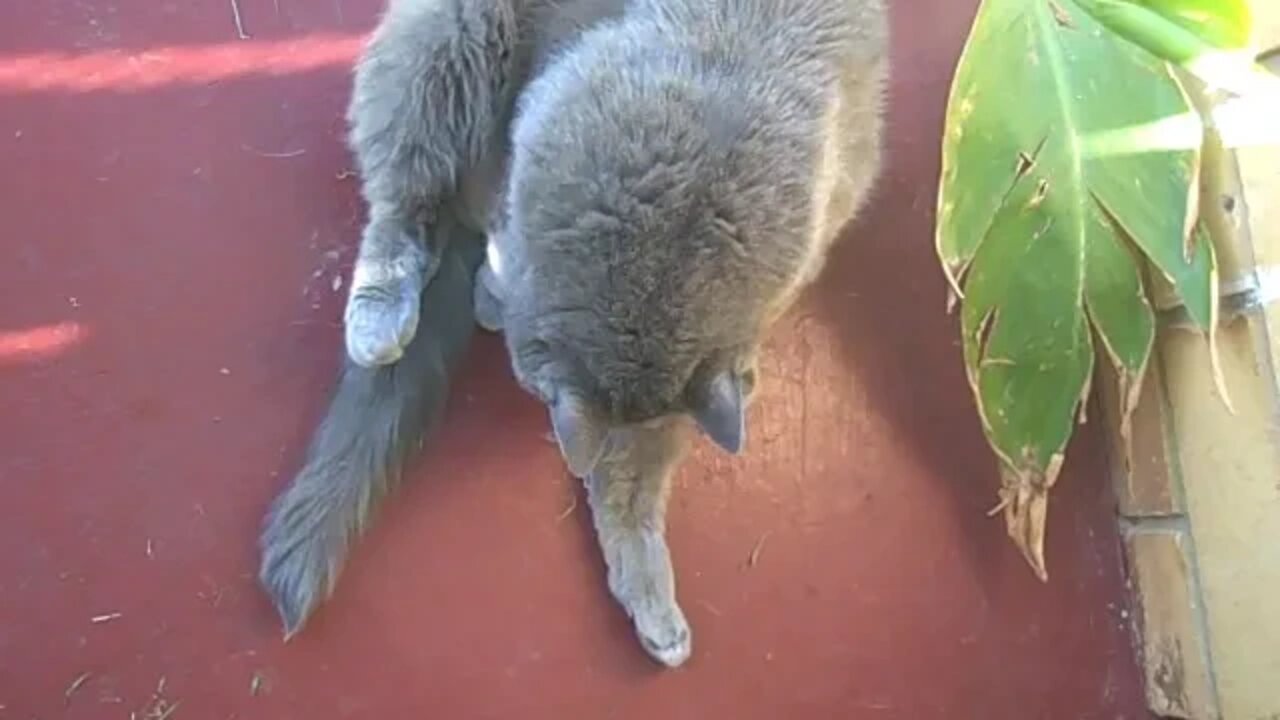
[[376, 420]]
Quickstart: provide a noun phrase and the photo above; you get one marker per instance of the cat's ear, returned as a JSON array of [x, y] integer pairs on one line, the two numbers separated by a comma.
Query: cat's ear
[[580, 433], [721, 413]]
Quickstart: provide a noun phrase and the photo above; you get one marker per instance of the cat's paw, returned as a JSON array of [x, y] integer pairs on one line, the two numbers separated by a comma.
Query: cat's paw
[[664, 633], [380, 323]]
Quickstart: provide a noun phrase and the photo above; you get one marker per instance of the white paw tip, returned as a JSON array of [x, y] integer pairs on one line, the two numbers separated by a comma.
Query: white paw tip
[[671, 647]]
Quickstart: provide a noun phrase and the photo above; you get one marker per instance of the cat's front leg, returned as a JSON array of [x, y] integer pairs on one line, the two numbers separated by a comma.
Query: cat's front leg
[[628, 496]]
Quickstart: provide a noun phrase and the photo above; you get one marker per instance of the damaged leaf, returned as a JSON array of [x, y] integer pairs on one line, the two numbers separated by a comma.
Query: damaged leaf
[[1045, 243]]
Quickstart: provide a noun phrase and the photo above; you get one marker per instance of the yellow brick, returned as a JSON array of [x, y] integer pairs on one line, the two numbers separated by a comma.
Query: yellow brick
[[1143, 472], [1178, 682]]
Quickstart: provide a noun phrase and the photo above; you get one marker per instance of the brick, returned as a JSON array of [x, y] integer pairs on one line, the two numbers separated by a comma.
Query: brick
[[1143, 474], [1174, 648]]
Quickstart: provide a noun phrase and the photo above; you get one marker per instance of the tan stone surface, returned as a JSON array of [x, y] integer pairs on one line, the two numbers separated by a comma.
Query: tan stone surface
[[1231, 471], [1230, 463], [1178, 681], [1142, 464]]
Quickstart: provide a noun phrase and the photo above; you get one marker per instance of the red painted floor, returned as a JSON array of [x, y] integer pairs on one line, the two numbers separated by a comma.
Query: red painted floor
[[177, 218]]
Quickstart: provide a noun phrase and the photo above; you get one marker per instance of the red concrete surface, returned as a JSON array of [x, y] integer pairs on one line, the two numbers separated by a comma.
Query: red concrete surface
[[176, 215]]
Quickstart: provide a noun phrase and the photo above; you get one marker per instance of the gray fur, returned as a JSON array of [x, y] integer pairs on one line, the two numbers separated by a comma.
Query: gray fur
[[628, 495], [432, 101], [432, 98], [674, 175], [432, 92], [377, 418], [676, 178]]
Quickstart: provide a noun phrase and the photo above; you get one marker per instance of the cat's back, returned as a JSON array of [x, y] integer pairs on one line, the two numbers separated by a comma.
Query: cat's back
[[782, 30], [552, 26], [671, 178], [816, 72], [731, 98]]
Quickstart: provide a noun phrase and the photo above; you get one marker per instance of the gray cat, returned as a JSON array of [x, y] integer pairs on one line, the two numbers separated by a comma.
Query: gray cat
[[658, 180]]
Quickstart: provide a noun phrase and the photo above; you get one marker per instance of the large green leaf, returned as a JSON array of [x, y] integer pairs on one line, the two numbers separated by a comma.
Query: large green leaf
[[1043, 241], [1175, 30], [1211, 40], [1226, 24]]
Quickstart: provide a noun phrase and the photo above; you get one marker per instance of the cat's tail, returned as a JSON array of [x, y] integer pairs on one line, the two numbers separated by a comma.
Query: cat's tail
[[376, 420]]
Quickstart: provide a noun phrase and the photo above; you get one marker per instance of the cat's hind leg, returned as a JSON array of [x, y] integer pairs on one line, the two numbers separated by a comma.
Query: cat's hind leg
[[628, 496], [432, 93]]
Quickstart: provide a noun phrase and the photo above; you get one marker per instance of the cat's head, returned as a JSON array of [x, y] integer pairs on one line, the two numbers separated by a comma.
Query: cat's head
[[594, 380], [653, 226], [613, 320]]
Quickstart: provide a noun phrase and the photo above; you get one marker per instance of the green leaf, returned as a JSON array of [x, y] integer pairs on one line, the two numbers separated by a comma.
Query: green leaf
[[1043, 240], [1177, 30], [1209, 38], [1226, 24]]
